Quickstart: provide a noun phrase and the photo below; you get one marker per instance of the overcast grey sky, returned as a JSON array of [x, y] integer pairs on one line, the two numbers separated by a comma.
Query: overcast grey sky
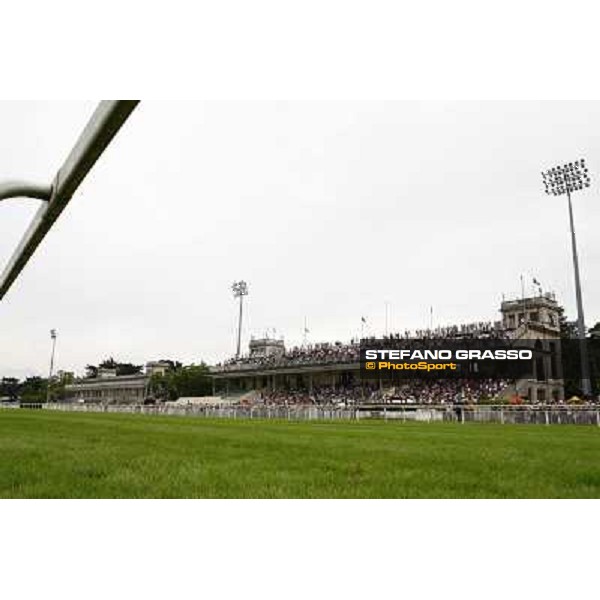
[[328, 209]]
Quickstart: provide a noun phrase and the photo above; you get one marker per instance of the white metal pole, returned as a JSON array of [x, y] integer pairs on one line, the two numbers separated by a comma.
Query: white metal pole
[[53, 336]]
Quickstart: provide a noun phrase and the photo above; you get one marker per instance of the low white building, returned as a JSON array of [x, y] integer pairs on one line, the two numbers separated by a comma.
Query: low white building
[[109, 388]]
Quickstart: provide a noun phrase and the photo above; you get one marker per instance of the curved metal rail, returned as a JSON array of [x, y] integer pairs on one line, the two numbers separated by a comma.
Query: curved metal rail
[[25, 189], [103, 125]]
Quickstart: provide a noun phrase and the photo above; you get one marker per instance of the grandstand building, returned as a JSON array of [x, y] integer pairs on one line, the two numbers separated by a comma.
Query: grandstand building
[[109, 388], [332, 370], [270, 367], [537, 319]]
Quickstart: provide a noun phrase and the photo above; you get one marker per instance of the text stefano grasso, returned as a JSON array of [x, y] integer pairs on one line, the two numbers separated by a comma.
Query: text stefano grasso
[[458, 354]]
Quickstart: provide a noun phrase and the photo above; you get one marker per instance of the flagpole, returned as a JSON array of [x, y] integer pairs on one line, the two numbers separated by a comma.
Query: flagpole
[[524, 304], [522, 288], [386, 318], [533, 282]]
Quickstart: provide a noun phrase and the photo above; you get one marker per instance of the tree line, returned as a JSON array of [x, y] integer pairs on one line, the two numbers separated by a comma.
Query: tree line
[[177, 381], [35, 389]]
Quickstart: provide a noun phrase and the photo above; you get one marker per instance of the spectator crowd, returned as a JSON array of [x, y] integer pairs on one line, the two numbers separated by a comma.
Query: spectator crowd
[[340, 353], [447, 391], [413, 391]]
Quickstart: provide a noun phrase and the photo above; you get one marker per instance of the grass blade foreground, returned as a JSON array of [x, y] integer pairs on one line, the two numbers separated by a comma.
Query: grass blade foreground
[[74, 455]]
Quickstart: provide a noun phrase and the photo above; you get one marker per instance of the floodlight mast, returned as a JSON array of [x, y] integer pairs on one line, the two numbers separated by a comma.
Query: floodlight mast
[[51, 372], [240, 289], [103, 125], [564, 180]]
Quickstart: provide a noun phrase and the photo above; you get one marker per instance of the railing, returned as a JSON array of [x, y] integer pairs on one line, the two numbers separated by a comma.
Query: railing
[[304, 413], [531, 415], [283, 363], [103, 125]]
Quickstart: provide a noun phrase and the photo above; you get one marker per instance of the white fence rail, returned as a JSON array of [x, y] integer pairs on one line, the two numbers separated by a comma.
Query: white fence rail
[[532, 415]]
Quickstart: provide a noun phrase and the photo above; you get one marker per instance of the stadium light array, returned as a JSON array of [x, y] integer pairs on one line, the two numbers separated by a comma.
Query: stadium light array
[[240, 289], [558, 181], [566, 179]]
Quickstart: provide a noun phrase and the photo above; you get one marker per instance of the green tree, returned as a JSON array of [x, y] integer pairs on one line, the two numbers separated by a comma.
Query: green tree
[[571, 363], [56, 389], [568, 329], [162, 386], [128, 369], [33, 390], [122, 368], [108, 363], [191, 380], [9, 388], [594, 354], [91, 371]]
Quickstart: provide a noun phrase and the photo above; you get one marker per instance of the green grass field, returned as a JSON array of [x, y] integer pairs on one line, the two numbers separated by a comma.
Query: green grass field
[[76, 455]]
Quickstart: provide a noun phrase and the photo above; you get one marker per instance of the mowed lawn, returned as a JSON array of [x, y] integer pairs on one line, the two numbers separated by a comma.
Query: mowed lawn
[[76, 455]]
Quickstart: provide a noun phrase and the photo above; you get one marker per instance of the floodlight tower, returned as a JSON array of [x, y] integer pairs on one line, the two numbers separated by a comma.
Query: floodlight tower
[[240, 289], [53, 338], [558, 181]]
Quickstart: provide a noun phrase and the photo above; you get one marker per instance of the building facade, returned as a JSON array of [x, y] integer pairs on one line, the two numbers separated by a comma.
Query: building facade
[[109, 388], [268, 368], [537, 320]]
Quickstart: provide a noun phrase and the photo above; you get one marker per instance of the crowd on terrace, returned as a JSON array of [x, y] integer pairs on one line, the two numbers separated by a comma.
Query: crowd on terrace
[[338, 352], [449, 391], [484, 330], [316, 354], [445, 391]]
